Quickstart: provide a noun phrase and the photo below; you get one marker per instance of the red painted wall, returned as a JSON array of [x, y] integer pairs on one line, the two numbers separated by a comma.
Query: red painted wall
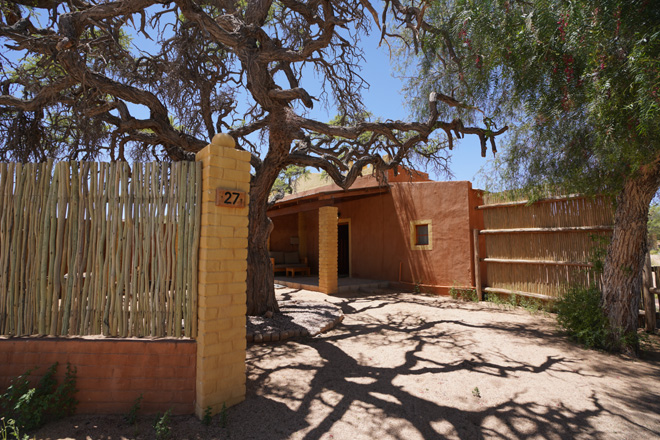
[[287, 227], [380, 234], [111, 374]]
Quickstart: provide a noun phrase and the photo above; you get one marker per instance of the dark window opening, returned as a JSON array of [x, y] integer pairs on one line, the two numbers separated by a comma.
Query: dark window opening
[[421, 235]]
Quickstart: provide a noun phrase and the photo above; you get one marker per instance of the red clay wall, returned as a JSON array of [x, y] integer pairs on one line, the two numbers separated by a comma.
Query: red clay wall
[[286, 227], [111, 374], [380, 234]]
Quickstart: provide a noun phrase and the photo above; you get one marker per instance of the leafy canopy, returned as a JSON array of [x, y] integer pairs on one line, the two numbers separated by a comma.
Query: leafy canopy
[[580, 81]]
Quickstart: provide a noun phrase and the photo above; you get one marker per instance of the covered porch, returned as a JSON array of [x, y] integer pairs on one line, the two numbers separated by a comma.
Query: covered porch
[[344, 285], [311, 230]]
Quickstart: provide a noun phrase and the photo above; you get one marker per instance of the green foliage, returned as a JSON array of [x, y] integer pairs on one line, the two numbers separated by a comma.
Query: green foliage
[[162, 425], [578, 82], [580, 315], [285, 182], [31, 408], [224, 417], [206, 420], [598, 253], [463, 294], [653, 226], [476, 393], [532, 305], [9, 430], [494, 298], [131, 417]]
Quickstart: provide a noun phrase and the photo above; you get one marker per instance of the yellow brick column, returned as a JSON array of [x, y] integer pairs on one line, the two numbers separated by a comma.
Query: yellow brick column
[[328, 249], [222, 279]]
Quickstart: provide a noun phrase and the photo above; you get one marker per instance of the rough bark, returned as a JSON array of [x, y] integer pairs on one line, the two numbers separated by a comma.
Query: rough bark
[[260, 282], [210, 54], [622, 277]]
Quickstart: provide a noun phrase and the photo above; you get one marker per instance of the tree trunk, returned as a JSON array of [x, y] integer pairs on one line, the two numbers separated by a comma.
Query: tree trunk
[[260, 282], [622, 277]]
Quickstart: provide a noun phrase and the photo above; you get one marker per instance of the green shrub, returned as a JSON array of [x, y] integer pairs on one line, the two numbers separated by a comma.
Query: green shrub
[[162, 425], [579, 313], [463, 294], [31, 408], [131, 417], [9, 430]]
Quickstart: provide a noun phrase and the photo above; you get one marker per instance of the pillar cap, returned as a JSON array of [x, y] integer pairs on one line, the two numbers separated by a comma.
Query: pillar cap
[[223, 140]]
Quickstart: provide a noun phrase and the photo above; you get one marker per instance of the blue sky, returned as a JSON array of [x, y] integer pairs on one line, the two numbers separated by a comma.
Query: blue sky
[[385, 99]]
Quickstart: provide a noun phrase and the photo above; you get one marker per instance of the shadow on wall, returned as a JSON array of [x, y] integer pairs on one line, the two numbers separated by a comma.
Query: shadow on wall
[[416, 266]]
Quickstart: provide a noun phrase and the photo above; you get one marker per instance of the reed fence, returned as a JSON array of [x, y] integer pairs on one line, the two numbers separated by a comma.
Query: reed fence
[[99, 249], [539, 249]]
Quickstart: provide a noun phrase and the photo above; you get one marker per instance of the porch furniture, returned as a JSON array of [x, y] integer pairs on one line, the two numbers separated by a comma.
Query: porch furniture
[[292, 271], [282, 261]]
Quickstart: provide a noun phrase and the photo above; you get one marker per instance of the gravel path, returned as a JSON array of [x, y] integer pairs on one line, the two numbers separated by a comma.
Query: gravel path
[[405, 366]]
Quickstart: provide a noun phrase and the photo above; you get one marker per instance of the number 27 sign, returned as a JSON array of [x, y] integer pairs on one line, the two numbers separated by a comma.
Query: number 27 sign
[[230, 198]]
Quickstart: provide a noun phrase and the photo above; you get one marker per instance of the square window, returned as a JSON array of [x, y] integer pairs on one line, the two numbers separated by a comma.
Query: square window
[[421, 235]]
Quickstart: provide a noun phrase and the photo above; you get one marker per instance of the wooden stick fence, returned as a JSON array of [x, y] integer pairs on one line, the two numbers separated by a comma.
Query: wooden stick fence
[[538, 250], [99, 249]]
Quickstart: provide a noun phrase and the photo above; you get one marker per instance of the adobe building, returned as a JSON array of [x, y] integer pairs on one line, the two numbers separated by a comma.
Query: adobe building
[[410, 231]]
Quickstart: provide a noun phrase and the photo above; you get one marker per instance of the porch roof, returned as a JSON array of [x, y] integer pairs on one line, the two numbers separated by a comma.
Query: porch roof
[[326, 196]]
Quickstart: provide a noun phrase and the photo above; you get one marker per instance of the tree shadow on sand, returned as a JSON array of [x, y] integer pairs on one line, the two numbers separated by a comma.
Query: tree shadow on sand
[[341, 382]]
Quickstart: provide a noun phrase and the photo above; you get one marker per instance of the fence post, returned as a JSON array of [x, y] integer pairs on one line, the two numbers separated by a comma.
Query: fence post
[[221, 344], [328, 282], [477, 267], [647, 296]]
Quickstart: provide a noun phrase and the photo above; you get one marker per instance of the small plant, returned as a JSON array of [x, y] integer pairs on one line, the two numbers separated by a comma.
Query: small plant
[[476, 393], [463, 294], [513, 300], [9, 430], [162, 425], [494, 298], [224, 417], [580, 315], [532, 305], [207, 416], [30, 408], [417, 288], [131, 417]]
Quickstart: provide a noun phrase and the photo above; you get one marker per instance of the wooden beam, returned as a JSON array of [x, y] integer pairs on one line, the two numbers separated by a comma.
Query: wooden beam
[[293, 209], [546, 230], [540, 262], [477, 269], [520, 293], [528, 202], [316, 201]]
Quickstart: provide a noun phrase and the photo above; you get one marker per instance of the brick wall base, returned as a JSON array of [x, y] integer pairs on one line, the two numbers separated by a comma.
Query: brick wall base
[[111, 373]]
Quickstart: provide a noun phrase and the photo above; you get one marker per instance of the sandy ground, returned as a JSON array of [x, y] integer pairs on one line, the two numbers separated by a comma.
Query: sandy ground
[[405, 366]]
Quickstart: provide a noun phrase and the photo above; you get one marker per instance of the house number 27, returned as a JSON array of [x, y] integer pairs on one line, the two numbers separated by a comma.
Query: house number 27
[[229, 198]]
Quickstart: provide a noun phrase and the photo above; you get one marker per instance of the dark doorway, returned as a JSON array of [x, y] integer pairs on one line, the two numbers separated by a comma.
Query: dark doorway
[[343, 258]]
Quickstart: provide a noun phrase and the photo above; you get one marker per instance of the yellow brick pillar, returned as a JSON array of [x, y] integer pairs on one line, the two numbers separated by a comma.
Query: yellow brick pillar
[[222, 278], [328, 249]]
